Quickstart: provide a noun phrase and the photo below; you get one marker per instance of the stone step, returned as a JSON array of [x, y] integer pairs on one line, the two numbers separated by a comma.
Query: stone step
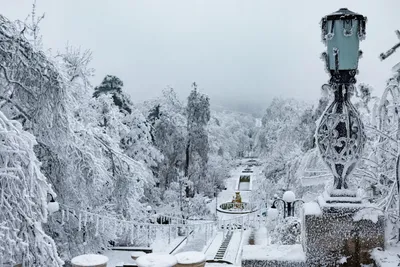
[[224, 245]]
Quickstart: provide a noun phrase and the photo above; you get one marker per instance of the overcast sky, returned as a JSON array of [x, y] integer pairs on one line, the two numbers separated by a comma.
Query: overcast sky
[[240, 52]]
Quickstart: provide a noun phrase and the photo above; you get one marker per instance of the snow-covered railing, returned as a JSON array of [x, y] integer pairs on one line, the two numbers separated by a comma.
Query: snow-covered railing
[[67, 211], [133, 232], [243, 222]]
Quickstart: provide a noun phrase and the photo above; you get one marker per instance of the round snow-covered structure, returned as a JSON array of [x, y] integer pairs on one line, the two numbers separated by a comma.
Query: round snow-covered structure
[[90, 260], [237, 208], [289, 196]]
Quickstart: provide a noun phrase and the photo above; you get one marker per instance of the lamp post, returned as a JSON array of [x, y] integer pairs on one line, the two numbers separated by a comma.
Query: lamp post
[[216, 202], [340, 134], [148, 209], [289, 200]]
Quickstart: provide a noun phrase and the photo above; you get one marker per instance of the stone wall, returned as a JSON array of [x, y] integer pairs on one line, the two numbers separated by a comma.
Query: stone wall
[[271, 263], [335, 238]]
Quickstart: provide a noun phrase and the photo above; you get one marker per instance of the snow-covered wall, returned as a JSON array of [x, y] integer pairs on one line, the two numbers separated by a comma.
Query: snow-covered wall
[[335, 236]]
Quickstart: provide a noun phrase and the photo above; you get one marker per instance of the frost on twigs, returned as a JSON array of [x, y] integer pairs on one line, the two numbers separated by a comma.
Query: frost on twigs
[[287, 232], [23, 201]]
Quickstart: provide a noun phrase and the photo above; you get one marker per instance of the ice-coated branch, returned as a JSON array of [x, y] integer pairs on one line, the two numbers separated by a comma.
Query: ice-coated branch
[[388, 53]]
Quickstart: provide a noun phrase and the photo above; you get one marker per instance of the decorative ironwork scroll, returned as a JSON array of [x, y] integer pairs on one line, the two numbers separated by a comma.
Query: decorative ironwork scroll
[[340, 135]]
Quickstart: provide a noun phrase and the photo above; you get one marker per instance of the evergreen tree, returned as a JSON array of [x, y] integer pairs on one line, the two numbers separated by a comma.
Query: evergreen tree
[[198, 116], [113, 85]]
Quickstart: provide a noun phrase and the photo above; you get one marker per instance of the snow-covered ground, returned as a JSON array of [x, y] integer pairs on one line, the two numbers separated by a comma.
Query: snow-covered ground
[[289, 253], [388, 258], [244, 186]]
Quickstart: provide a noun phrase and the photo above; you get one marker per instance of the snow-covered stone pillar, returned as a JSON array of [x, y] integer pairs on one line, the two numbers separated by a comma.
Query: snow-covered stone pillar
[[340, 229]]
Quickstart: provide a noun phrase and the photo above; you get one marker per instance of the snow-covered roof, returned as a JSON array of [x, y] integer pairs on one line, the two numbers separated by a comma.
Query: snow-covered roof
[[344, 13]]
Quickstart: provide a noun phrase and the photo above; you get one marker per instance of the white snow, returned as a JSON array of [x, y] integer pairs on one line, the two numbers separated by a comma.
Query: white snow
[[233, 248], [312, 208], [371, 214], [274, 252], [118, 257], [53, 207], [322, 202], [386, 258], [137, 254], [212, 249], [156, 260], [289, 196], [89, 260], [343, 192], [342, 260], [190, 257], [244, 186], [272, 213], [261, 237]]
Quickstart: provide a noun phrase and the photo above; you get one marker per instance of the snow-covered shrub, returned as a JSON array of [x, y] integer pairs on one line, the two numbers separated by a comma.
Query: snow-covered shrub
[[287, 232], [198, 207]]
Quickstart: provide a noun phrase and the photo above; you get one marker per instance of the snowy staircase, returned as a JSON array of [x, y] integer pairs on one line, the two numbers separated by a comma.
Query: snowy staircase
[[222, 249]]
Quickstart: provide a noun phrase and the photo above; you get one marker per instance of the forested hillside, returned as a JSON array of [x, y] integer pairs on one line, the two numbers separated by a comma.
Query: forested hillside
[[99, 151]]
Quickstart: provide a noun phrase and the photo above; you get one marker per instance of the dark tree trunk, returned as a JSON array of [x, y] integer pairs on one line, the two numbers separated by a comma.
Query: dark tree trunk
[[187, 159]]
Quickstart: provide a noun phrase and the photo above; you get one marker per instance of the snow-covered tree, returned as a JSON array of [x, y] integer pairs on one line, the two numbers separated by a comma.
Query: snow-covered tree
[[23, 201], [198, 115], [113, 85], [52, 99]]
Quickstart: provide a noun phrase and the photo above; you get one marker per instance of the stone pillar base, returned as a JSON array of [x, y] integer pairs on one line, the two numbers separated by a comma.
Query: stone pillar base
[[341, 234]]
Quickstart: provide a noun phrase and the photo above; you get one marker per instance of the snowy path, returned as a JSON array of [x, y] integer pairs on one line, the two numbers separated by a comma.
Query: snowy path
[[232, 184]]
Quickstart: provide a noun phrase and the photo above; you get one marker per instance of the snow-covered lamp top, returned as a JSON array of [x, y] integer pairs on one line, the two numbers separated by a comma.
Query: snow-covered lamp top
[[148, 208], [53, 207], [289, 196], [342, 32]]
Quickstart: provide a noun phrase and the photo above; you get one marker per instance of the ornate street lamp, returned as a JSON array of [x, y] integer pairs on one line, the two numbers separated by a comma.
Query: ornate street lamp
[[289, 200], [340, 135], [53, 205]]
